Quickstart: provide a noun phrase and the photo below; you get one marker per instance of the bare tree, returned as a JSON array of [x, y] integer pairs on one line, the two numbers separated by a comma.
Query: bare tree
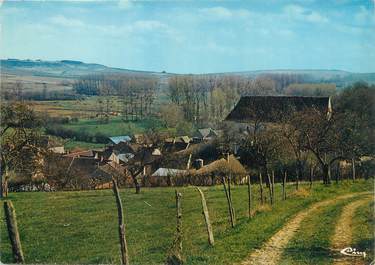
[[289, 130], [323, 139], [21, 147]]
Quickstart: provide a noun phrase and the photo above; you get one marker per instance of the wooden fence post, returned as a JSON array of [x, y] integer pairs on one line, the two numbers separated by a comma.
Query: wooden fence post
[[284, 183], [249, 194], [230, 197], [270, 188], [121, 228], [179, 221], [273, 187], [211, 240], [353, 169], [11, 220], [261, 188], [311, 176], [229, 201], [1, 186], [175, 255], [229, 189], [297, 179]]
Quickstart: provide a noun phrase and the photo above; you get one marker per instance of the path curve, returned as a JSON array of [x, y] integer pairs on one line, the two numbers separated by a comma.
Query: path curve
[[271, 251], [343, 234]]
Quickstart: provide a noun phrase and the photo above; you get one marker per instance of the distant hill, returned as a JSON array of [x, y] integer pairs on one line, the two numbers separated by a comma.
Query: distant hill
[[74, 69], [63, 68], [339, 77]]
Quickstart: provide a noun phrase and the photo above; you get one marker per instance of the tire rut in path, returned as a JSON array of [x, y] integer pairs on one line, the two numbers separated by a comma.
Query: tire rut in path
[[344, 235], [271, 251]]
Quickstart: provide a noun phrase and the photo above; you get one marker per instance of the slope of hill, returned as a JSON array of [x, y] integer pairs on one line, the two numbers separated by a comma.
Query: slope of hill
[[63, 68], [74, 69], [339, 77]]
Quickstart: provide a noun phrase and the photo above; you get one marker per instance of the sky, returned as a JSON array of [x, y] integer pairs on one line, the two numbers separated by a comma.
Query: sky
[[194, 36]]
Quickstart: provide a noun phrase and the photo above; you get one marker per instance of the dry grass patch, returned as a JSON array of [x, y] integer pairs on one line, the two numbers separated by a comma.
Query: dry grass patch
[[263, 208], [301, 193]]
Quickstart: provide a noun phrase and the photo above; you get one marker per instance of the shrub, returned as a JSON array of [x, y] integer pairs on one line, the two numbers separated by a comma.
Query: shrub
[[81, 135]]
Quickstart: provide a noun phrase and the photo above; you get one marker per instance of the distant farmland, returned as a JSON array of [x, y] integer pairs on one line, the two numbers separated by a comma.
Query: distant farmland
[[36, 83]]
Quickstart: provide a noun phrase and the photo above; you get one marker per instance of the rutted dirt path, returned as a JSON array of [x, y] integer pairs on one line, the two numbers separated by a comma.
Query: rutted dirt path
[[343, 234], [271, 251]]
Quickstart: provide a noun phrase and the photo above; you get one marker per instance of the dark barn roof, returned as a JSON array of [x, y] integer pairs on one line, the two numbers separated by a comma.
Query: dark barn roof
[[272, 108]]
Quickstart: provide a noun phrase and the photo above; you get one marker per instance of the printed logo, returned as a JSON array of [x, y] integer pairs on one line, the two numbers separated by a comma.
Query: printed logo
[[353, 252]]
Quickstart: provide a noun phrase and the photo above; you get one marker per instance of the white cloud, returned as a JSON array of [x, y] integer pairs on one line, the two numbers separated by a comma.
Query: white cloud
[[66, 22], [217, 12], [125, 4], [138, 26], [220, 12], [148, 25], [301, 13], [133, 29], [139, 29], [270, 32], [364, 15], [316, 17]]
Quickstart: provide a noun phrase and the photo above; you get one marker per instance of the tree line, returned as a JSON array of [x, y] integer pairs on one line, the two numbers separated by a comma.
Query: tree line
[[136, 93], [206, 99], [195, 99]]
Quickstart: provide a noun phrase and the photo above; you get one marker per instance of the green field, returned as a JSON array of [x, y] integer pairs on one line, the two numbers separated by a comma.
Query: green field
[[86, 110], [71, 145], [115, 127], [80, 227]]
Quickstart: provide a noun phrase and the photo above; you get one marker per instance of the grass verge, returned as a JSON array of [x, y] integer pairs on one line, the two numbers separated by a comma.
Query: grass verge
[[363, 230], [80, 227], [310, 245]]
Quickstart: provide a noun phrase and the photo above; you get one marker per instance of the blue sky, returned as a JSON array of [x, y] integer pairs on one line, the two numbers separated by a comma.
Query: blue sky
[[194, 36]]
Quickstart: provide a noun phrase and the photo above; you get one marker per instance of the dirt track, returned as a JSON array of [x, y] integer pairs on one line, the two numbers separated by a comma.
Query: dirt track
[[343, 234], [271, 251]]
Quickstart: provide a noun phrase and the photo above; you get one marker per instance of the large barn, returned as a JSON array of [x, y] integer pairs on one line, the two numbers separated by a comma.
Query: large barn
[[272, 108]]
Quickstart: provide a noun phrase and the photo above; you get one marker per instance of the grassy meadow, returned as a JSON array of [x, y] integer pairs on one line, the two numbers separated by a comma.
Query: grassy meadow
[[85, 111], [81, 226], [35, 83], [80, 108], [116, 126], [72, 144], [364, 225]]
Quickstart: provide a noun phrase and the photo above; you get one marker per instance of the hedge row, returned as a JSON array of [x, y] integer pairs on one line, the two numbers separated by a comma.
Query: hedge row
[[81, 135]]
